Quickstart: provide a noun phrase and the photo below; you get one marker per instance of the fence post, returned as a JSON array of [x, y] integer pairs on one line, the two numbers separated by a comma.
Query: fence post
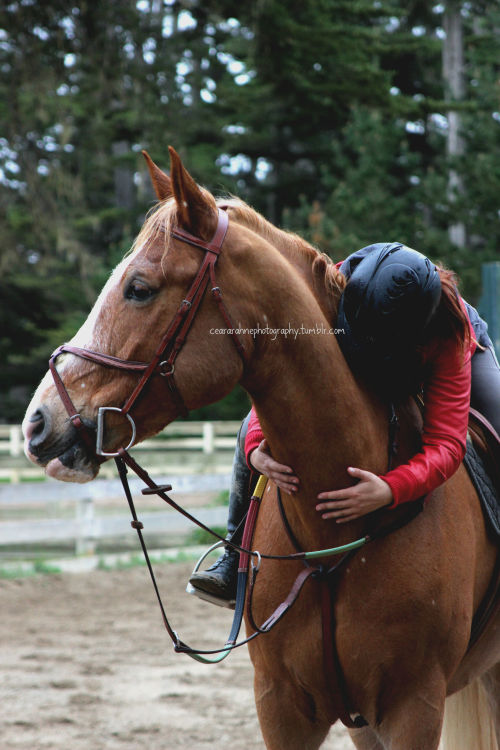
[[15, 440], [489, 304], [85, 542], [208, 437]]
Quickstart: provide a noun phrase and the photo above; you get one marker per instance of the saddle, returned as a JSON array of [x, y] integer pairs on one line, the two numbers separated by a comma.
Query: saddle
[[482, 461]]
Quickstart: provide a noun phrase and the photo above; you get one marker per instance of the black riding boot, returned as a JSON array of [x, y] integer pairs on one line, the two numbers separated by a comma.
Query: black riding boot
[[220, 579]]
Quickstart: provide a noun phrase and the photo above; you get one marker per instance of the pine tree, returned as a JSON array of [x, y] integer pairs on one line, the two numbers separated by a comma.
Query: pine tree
[[330, 116]]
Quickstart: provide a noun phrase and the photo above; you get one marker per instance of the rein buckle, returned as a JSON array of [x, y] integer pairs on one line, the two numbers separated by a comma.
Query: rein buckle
[[164, 372], [100, 430]]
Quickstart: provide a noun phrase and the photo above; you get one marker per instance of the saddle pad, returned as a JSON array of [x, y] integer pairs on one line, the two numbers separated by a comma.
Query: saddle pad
[[484, 487]]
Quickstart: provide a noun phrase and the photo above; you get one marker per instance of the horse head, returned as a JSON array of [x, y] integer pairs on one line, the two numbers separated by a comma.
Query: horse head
[[128, 321]]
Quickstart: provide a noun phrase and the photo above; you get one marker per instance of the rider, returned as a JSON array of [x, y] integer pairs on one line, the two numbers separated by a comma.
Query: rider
[[406, 327]]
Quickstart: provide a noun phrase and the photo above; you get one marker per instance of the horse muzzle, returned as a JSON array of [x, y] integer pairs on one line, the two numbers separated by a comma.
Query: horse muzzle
[[58, 449]]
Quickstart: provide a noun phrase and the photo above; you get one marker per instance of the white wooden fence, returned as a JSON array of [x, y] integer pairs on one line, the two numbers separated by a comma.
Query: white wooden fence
[[11, 439], [85, 528], [194, 457], [198, 442]]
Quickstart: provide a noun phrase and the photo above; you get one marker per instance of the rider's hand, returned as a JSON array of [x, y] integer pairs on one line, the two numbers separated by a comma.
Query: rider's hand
[[369, 494], [264, 463]]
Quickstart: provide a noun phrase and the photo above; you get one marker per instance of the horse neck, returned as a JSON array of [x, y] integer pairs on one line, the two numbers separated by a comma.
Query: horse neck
[[314, 267], [315, 416]]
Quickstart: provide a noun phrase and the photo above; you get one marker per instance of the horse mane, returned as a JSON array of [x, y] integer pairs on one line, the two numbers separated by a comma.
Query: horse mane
[[323, 269], [325, 275]]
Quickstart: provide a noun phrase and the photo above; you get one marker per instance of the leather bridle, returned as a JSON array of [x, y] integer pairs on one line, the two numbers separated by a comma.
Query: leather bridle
[[163, 361]]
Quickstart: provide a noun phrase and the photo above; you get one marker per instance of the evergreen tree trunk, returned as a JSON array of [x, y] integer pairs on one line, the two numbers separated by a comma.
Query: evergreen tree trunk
[[453, 68], [123, 176]]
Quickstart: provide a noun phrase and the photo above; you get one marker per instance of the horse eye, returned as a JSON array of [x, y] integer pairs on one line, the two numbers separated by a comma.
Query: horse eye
[[138, 291]]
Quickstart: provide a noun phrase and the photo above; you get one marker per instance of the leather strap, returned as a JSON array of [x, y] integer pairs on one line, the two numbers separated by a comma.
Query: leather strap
[[488, 607], [106, 360], [177, 331], [333, 668], [74, 416], [125, 460], [215, 244]]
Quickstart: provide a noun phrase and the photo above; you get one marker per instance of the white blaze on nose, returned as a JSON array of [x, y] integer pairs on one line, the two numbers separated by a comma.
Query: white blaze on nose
[[93, 335], [90, 335], [87, 337]]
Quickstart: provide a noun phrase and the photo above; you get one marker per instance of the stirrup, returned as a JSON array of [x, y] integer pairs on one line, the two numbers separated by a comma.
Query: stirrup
[[190, 589]]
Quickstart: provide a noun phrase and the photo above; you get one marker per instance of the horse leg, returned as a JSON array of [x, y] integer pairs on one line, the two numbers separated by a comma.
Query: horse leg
[[401, 732], [365, 739], [287, 714], [467, 724], [414, 721]]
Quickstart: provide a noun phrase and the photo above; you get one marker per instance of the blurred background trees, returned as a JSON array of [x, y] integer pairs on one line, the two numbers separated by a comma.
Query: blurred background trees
[[349, 121]]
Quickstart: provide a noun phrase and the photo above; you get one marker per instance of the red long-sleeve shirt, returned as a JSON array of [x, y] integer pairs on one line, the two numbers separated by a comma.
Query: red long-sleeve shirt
[[447, 401]]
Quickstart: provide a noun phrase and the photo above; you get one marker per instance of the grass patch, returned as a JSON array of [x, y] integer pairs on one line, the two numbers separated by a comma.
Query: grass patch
[[23, 480], [38, 567], [221, 499], [8, 574], [200, 536], [138, 561]]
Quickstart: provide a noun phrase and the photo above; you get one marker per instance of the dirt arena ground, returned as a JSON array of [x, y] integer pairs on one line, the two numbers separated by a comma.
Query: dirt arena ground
[[85, 664]]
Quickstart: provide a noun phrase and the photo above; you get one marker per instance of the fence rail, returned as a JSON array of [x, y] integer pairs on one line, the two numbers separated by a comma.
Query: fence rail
[[199, 444], [11, 439], [86, 527], [198, 458], [205, 436]]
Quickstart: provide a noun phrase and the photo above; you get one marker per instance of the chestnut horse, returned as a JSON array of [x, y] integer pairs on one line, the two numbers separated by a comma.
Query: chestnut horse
[[404, 604]]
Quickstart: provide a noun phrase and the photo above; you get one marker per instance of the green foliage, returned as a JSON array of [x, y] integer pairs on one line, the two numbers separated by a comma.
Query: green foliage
[[222, 498], [234, 406], [329, 116], [38, 567], [200, 536]]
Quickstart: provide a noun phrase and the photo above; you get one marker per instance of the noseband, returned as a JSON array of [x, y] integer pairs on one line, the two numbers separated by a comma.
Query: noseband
[[163, 361]]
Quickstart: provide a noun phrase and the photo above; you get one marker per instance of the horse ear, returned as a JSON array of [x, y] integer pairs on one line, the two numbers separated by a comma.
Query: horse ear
[[196, 208], [161, 181]]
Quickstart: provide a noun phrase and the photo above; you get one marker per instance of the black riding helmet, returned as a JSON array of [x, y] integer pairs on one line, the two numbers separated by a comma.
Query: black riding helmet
[[391, 296]]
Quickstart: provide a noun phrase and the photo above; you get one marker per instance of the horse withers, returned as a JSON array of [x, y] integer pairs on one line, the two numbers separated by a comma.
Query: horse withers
[[405, 603]]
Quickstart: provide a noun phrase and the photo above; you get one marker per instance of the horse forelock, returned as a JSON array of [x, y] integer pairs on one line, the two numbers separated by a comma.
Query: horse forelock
[[159, 222]]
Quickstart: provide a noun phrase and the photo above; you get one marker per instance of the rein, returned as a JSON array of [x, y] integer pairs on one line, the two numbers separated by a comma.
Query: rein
[[325, 576]]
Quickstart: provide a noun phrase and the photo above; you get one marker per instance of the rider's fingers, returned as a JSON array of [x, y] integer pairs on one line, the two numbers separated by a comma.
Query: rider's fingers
[[286, 486]]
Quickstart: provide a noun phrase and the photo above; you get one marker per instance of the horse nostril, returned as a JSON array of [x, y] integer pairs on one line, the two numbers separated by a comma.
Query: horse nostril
[[37, 421], [38, 428], [33, 425]]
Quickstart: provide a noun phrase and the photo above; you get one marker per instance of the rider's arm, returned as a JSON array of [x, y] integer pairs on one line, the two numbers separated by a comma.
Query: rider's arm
[[259, 459], [254, 436]]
